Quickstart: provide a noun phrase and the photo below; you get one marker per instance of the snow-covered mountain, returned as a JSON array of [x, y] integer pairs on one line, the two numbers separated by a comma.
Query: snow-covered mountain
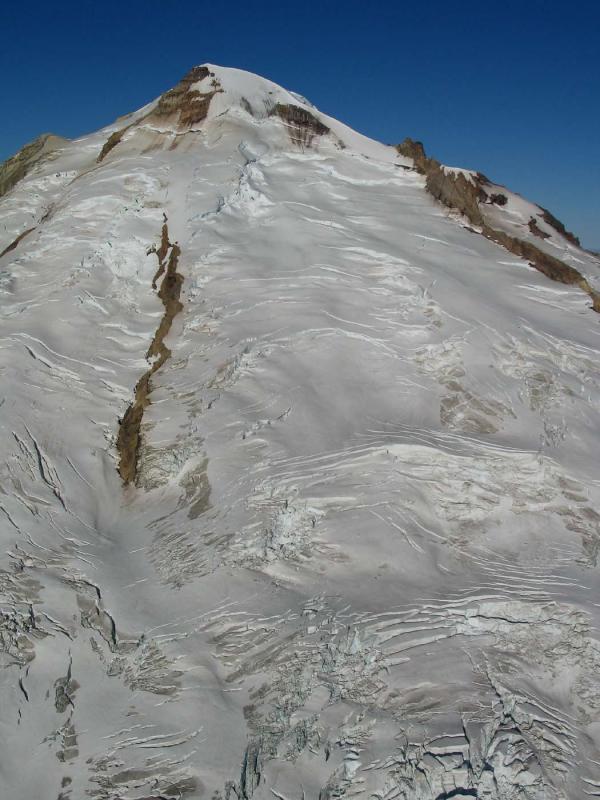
[[299, 489]]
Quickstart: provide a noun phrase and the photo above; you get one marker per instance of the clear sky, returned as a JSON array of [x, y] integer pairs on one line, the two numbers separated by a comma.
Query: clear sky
[[509, 88]]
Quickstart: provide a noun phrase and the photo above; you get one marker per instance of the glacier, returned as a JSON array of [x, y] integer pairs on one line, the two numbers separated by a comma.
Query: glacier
[[299, 490]]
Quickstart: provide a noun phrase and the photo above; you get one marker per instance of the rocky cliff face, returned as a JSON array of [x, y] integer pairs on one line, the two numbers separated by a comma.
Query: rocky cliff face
[[298, 486]]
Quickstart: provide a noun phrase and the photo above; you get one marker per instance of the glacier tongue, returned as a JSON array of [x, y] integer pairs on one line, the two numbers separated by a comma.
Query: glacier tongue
[[358, 554]]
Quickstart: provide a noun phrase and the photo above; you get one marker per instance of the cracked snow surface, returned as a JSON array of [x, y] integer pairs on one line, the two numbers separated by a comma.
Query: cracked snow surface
[[360, 554]]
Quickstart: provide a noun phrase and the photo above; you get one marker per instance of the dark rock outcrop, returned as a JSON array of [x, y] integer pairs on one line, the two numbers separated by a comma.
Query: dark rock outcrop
[[129, 436], [112, 141], [415, 150], [551, 220], [16, 241], [301, 124], [536, 230]]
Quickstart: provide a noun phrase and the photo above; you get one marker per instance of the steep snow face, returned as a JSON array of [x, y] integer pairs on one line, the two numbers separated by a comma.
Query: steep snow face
[[258, 96], [357, 551], [240, 89]]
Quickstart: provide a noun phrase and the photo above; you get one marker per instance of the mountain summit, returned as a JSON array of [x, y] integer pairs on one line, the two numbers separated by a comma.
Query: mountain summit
[[298, 489]]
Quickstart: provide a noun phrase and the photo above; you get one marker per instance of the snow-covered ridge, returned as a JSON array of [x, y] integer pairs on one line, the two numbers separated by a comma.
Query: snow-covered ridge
[[524, 229], [357, 553], [243, 89]]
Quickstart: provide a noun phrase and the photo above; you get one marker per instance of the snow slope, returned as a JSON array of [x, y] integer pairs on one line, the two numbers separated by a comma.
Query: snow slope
[[359, 557]]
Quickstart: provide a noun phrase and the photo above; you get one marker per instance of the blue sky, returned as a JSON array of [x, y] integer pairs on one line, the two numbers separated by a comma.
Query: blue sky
[[509, 88]]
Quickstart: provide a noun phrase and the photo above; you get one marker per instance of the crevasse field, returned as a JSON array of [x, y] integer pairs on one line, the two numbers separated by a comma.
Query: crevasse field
[[359, 557]]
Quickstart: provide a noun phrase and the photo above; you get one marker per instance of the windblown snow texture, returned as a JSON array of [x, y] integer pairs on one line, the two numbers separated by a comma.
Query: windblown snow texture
[[354, 552]]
